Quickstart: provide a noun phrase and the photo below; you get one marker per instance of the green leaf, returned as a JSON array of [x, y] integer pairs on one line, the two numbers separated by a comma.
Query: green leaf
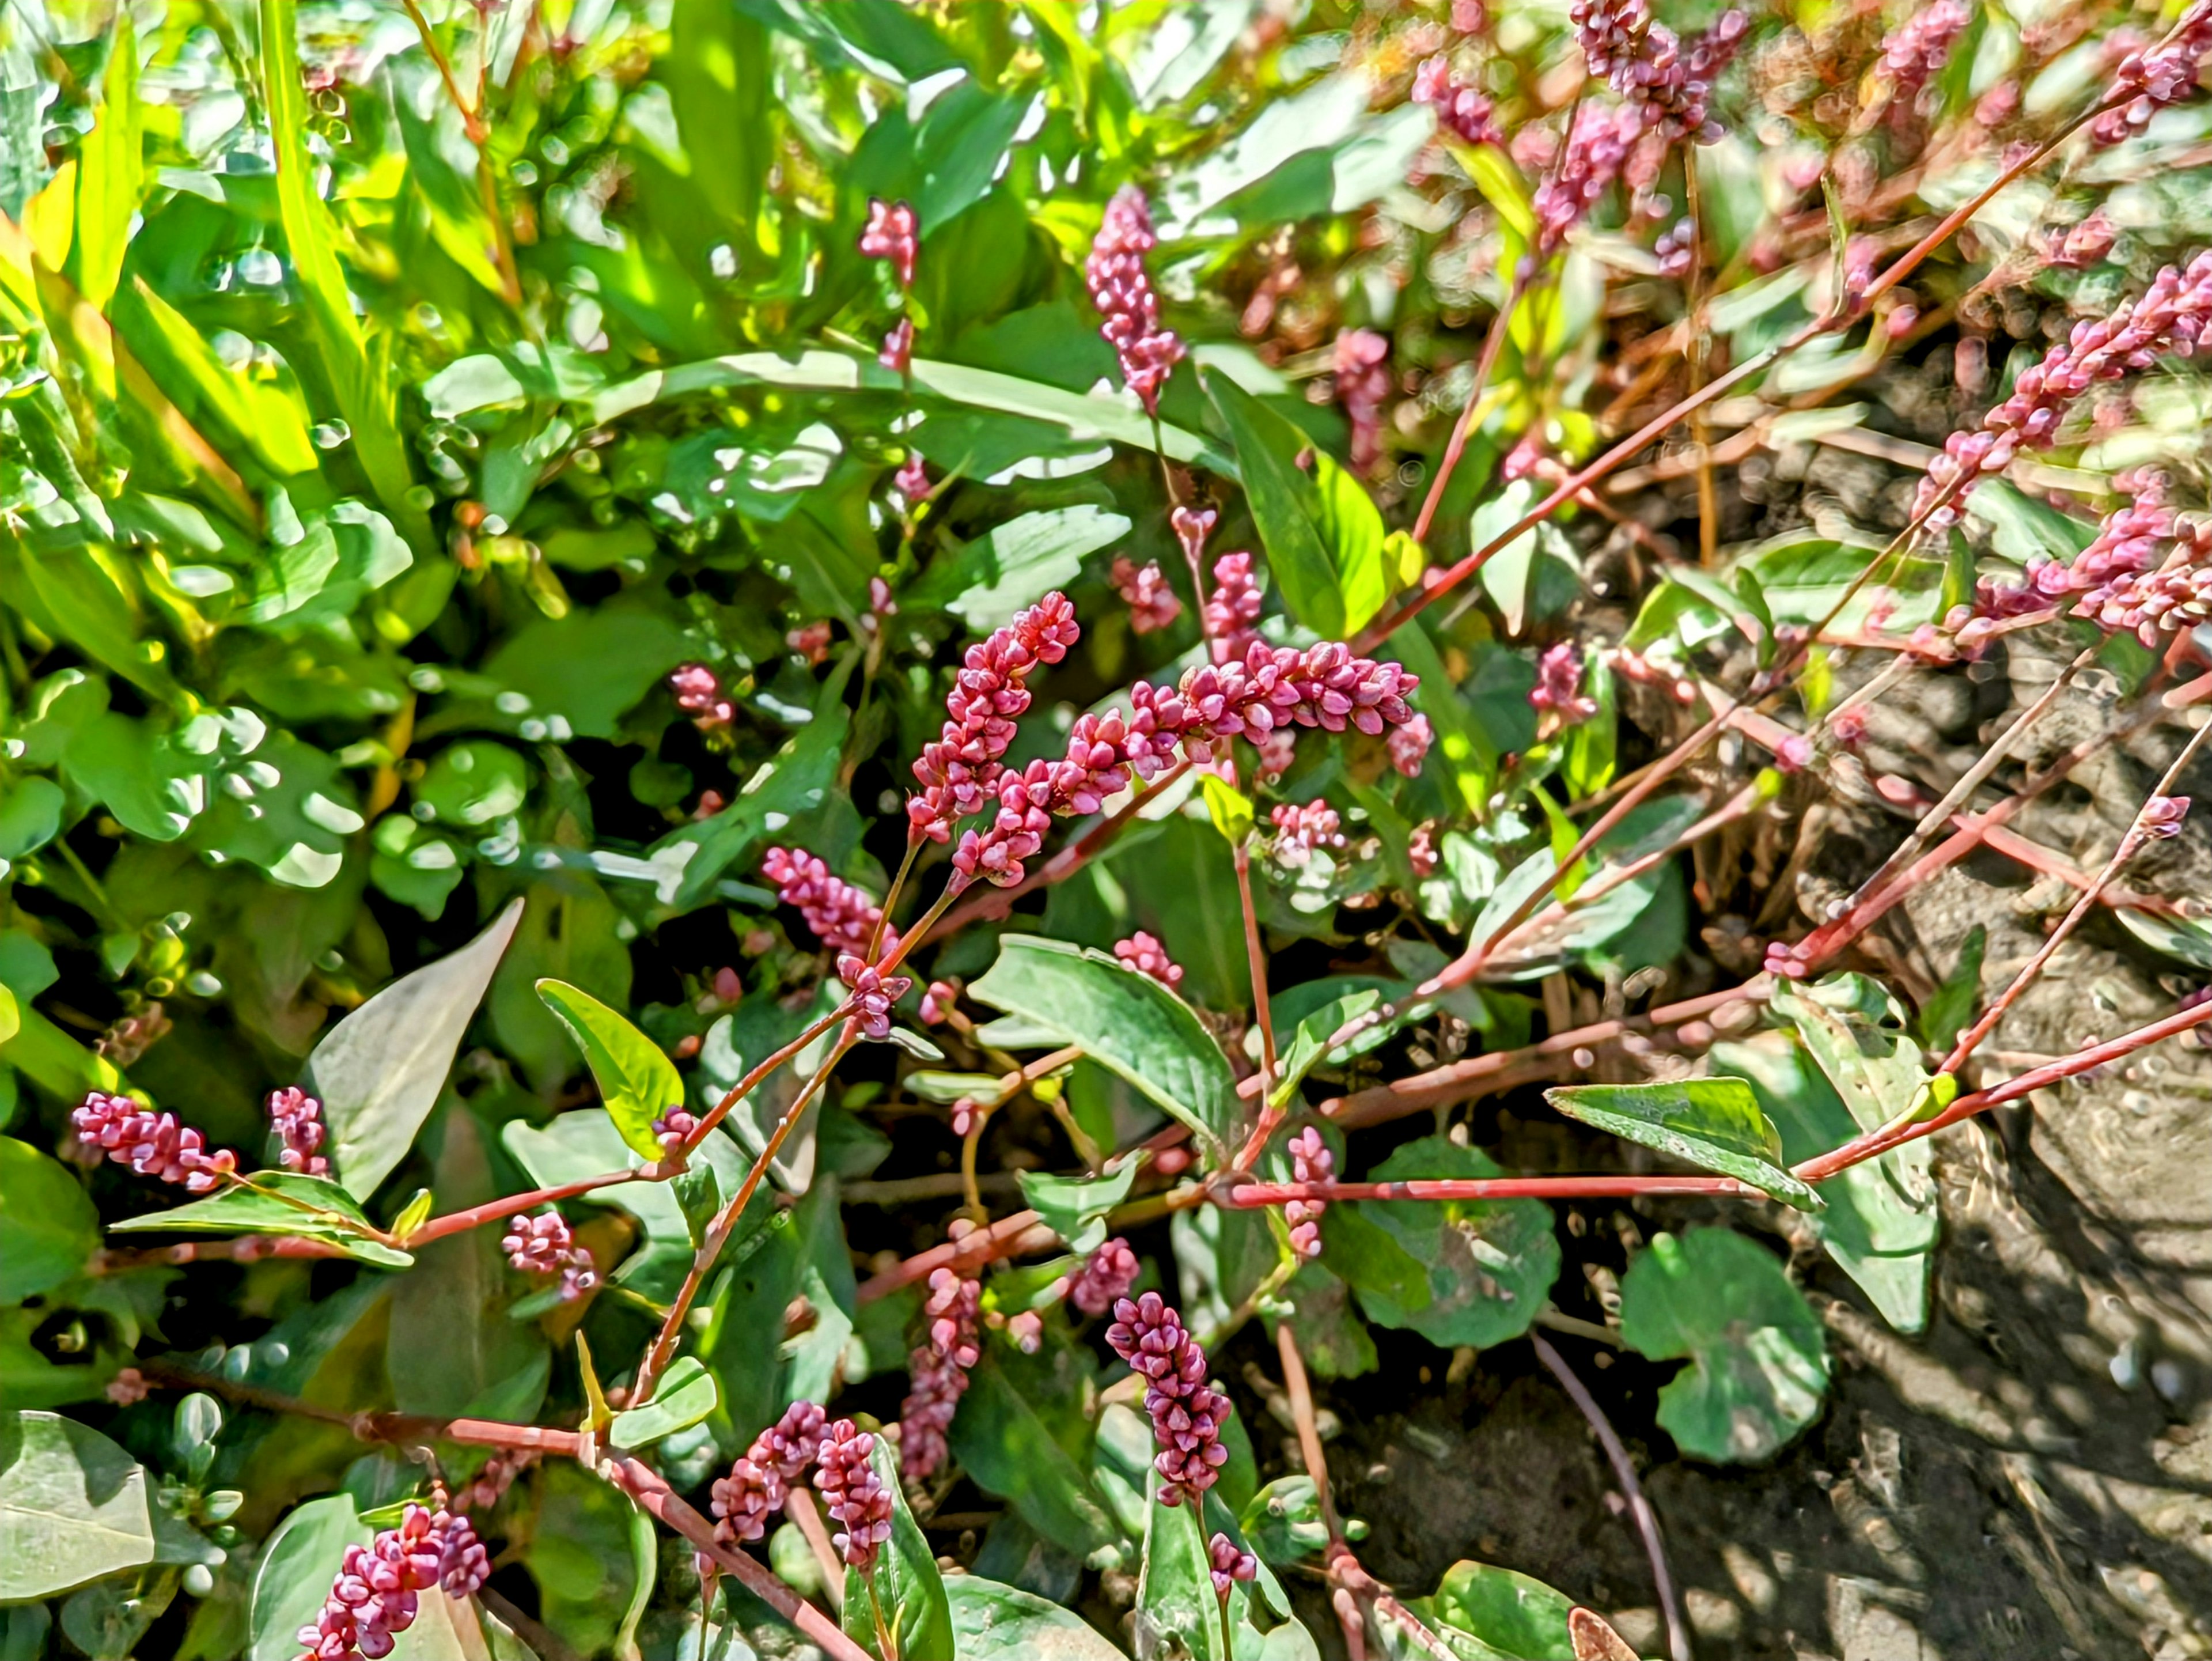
[[1015, 564], [257, 415], [296, 1568], [1508, 1614], [1712, 1123], [1321, 531], [995, 1622], [1882, 1219], [1308, 1043], [1230, 808], [1177, 1613], [73, 1506], [48, 1226], [637, 1082], [378, 1071], [1856, 1033], [1283, 1523], [685, 1395], [364, 394], [1124, 1020], [1760, 1360], [1456, 1271], [30, 816], [582, 1555], [277, 1202], [107, 173], [1003, 1443], [905, 1586], [1952, 1005], [1074, 1208]]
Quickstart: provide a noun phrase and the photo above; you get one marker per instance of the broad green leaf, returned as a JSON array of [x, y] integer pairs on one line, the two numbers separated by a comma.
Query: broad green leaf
[[1177, 1613], [297, 1568], [1457, 1271], [1283, 1523], [1003, 1444], [582, 1556], [378, 1071], [1309, 1042], [685, 1395], [364, 396], [1322, 534], [107, 175], [1856, 1033], [1075, 1208], [1760, 1359], [1882, 1219], [272, 425], [1508, 1616], [1015, 564], [276, 1202], [1952, 1005], [904, 1589], [1122, 1019], [1712, 1123], [48, 1226], [996, 1623], [73, 1506], [30, 816], [637, 1082]]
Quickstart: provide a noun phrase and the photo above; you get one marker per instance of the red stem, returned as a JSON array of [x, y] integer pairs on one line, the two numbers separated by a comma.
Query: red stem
[[1250, 1197], [1491, 343], [493, 1211]]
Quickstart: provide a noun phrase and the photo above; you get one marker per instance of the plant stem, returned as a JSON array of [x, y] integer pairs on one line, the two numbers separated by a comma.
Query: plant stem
[[890, 900], [1256, 956], [1249, 1196], [746, 1086], [1623, 1472], [493, 1211], [798, 1505], [1500, 320]]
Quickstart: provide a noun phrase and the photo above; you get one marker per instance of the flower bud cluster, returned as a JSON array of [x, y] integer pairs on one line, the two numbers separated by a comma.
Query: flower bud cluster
[[2148, 79], [375, 1596], [1186, 1411], [1363, 383], [2156, 605], [1147, 955], [840, 915], [762, 1478], [873, 994], [1461, 110], [959, 771], [675, 1127], [1105, 1278], [1228, 1565], [2132, 539], [1921, 46], [856, 1497], [1409, 746], [1152, 604], [892, 233], [1558, 696], [938, 1370], [151, 1144], [297, 1119], [699, 695], [1232, 609], [493, 1479], [1598, 147], [1310, 1162], [1123, 293], [545, 1245], [1303, 828], [2174, 315]]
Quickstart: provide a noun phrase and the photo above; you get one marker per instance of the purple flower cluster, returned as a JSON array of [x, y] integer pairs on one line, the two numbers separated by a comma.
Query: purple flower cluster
[[873, 994], [1558, 696], [1228, 1565], [2171, 599], [762, 1478], [1676, 250], [1461, 110], [1123, 293], [1187, 1413], [1147, 955], [855, 1495], [1270, 689], [1409, 746], [1362, 383], [1105, 1278], [2133, 539], [938, 1370], [2162, 817], [2148, 79], [1152, 604], [1919, 47], [1303, 828], [2174, 315], [1598, 147], [699, 694], [374, 1598], [959, 771], [1310, 1162], [544, 1244], [493, 1479], [1667, 83], [151, 1144], [1232, 609], [297, 1119], [892, 234], [841, 916]]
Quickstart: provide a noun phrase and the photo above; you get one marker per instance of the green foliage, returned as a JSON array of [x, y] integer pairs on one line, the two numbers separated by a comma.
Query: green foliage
[[74, 1506], [1713, 1122]]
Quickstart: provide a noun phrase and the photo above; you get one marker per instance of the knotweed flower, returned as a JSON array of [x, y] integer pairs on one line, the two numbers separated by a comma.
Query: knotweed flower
[[1187, 1413], [1921, 46], [761, 1478], [1230, 1566], [297, 1119], [891, 233], [1409, 746], [2150, 79], [940, 1370], [699, 694], [1152, 604], [675, 1127], [896, 353], [1362, 383], [873, 994], [841, 916], [1557, 696], [1461, 110], [1302, 830], [959, 771], [855, 1495], [152, 1144], [493, 1479], [1105, 1278], [545, 1245], [374, 1598], [1232, 609], [1598, 147], [1147, 955], [1123, 293], [1310, 1162]]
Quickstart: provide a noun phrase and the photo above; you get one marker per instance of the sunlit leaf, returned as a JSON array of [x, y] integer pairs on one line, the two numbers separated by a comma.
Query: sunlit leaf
[[73, 1506]]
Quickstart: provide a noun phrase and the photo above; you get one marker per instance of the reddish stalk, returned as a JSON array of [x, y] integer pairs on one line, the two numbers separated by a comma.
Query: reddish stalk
[[1492, 342], [493, 1211], [1010, 1237], [1255, 956], [745, 1086], [1250, 1197]]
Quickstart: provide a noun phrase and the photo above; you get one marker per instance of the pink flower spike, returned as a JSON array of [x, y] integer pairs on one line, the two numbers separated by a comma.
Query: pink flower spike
[[1122, 291], [891, 233], [297, 1119], [151, 1144], [1152, 604], [1147, 955]]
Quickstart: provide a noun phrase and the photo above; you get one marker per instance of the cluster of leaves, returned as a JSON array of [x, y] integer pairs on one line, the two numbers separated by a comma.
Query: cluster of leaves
[[395, 395]]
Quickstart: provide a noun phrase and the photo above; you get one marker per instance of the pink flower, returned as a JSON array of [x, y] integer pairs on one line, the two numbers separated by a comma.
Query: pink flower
[[938, 1000], [1921, 46], [1106, 1277], [2148, 79], [810, 640], [1557, 693], [912, 479], [1122, 291], [151, 1144], [841, 916], [544, 1244], [1421, 851], [1187, 1413], [1409, 746], [939, 1372], [1303, 829], [890, 233], [699, 694], [1230, 1565], [675, 1127], [856, 1496], [761, 1478], [896, 354], [297, 1119], [374, 1598], [1363, 383], [1310, 1162], [1598, 147], [1232, 609], [959, 771], [1461, 110], [1152, 604], [1147, 955], [873, 994]]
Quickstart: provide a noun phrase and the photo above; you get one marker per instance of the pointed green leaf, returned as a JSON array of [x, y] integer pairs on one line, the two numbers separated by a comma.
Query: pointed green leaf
[[683, 1396], [1712, 1123], [1506, 1613], [277, 1202], [904, 1588], [1230, 808], [1177, 1613], [72, 1506], [995, 1622], [1952, 1006], [637, 1081], [297, 1567], [1124, 1020], [1760, 1356], [48, 1226], [1856, 1033], [1074, 1207], [378, 1071]]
